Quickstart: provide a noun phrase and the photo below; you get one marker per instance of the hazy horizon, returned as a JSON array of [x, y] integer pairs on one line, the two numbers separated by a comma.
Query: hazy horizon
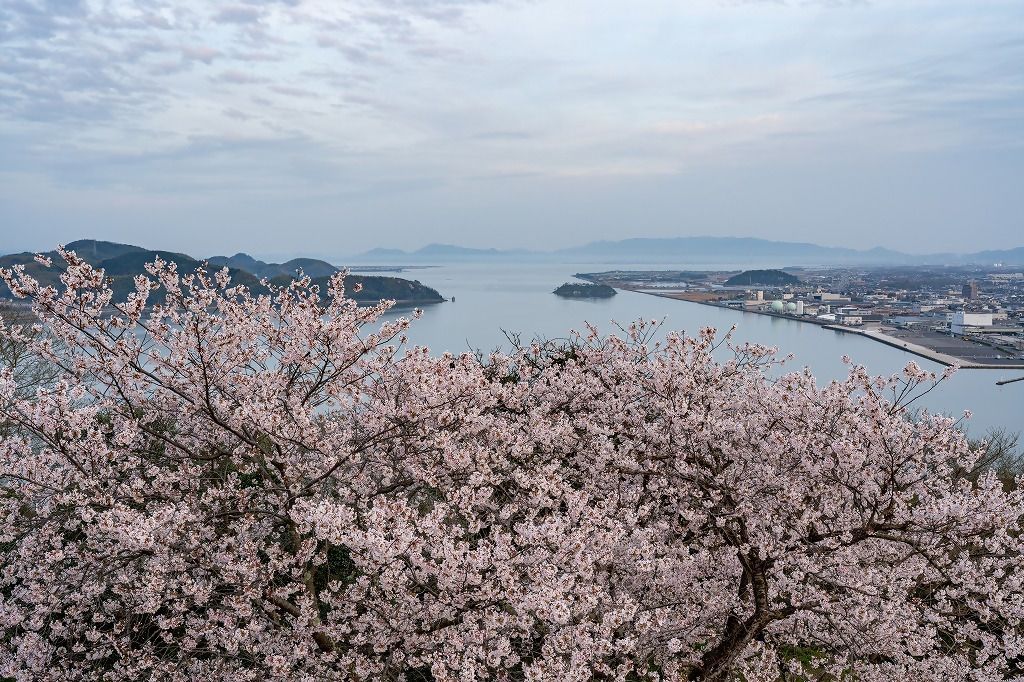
[[315, 128], [280, 256]]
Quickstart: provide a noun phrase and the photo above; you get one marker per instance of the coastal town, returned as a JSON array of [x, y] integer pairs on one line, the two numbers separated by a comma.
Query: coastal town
[[970, 317]]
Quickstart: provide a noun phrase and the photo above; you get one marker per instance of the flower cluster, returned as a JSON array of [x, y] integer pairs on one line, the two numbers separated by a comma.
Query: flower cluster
[[250, 487]]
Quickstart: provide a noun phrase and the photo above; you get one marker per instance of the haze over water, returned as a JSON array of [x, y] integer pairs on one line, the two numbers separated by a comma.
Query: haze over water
[[491, 298]]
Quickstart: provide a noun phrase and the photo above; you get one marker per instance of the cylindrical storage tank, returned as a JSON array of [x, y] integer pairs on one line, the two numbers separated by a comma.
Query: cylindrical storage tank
[[799, 307]]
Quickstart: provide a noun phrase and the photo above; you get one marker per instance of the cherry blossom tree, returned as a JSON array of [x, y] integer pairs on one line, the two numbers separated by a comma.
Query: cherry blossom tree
[[248, 485], [27, 369]]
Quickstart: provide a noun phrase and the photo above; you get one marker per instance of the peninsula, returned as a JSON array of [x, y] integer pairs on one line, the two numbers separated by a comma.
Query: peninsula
[[122, 262]]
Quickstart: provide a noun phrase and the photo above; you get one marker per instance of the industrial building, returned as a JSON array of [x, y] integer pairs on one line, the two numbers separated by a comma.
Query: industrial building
[[964, 322]]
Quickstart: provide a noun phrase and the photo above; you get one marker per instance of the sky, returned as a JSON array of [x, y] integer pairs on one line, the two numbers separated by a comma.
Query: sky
[[328, 127]]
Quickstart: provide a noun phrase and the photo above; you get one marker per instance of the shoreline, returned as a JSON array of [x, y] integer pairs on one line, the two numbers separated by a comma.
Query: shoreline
[[874, 335], [399, 304]]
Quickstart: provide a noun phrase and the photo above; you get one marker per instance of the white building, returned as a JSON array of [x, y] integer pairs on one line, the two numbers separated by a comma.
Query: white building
[[849, 319], [964, 322]]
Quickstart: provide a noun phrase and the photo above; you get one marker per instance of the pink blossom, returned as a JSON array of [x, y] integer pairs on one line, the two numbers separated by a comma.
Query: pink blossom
[[227, 484]]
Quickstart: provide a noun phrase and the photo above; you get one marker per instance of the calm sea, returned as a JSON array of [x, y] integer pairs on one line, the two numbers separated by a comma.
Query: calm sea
[[493, 298]]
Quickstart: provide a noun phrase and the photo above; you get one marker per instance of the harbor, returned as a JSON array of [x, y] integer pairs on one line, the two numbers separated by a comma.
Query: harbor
[[971, 318], [945, 350]]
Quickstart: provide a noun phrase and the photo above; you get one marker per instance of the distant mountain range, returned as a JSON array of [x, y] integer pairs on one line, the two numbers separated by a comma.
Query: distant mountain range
[[121, 262], [696, 250]]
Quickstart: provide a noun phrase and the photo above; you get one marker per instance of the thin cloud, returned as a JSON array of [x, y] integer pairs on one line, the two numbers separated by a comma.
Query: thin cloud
[[239, 14], [237, 78], [200, 53], [418, 96]]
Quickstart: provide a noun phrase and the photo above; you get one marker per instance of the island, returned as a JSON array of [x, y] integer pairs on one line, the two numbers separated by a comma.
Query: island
[[584, 290], [763, 277]]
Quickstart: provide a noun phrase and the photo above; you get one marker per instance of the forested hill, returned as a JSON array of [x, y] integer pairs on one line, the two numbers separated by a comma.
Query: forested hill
[[763, 277], [122, 262], [243, 261], [375, 288]]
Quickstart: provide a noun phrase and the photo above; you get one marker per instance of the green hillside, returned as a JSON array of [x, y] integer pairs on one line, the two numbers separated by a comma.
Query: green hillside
[[377, 288], [122, 262], [95, 252], [243, 261], [763, 278]]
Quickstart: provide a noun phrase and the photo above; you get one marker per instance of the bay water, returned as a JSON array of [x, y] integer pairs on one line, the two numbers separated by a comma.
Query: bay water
[[494, 298]]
